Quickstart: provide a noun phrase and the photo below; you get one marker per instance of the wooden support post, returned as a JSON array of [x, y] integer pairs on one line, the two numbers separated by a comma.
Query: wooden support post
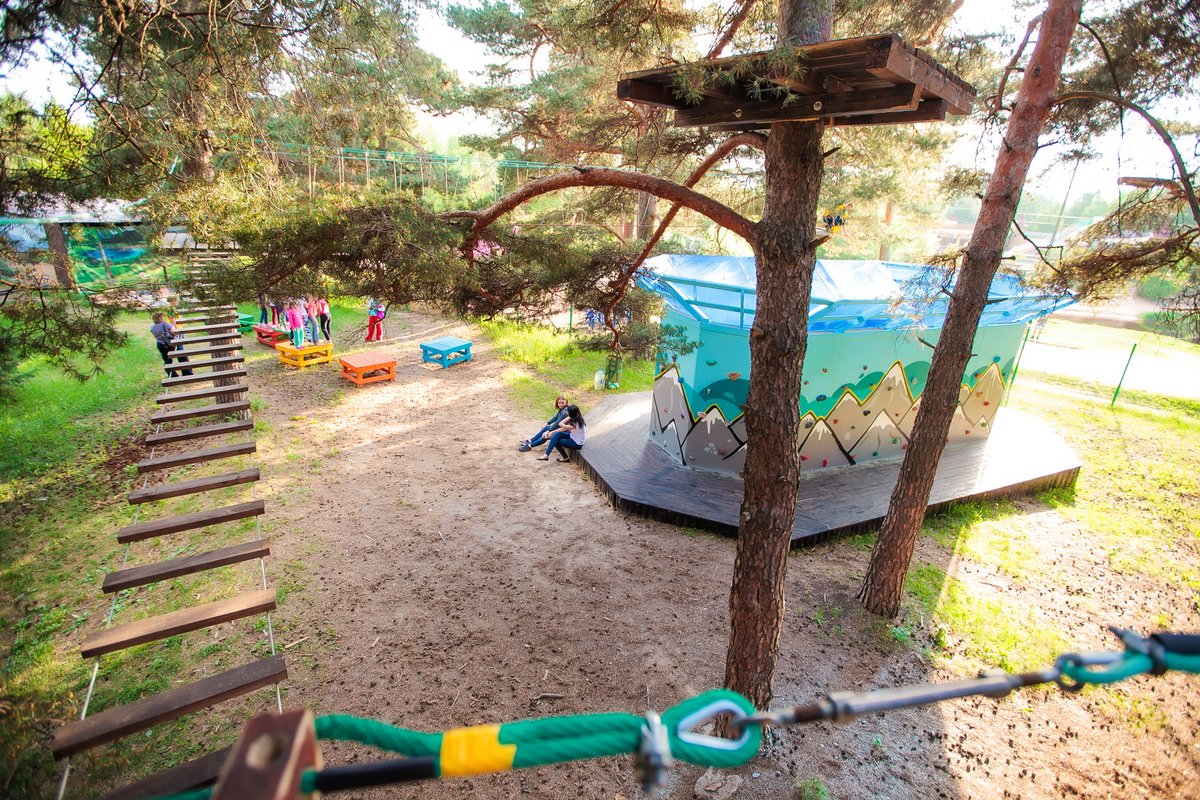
[[270, 758]]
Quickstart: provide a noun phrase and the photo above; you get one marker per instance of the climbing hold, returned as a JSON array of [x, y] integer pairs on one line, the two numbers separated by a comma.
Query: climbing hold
[[866, 412], [835, 422], [876, 453], [808, 424], [822, 397], [823, 369], [804, 458], [824, 462], [987, 403], [895, 440]]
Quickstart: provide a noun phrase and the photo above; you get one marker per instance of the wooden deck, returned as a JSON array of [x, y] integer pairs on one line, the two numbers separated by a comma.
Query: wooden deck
[[1022, 455]]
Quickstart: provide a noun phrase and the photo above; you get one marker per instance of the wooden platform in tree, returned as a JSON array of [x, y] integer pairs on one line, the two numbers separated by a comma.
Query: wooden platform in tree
[[1022, 455], [115, 723], [870, 80]]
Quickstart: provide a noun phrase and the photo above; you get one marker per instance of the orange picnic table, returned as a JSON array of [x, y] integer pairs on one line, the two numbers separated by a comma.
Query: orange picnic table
[[368, 367]]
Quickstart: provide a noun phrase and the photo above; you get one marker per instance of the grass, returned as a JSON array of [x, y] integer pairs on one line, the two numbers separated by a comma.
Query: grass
[[557, 364], [1103, 393], [1082, 336]]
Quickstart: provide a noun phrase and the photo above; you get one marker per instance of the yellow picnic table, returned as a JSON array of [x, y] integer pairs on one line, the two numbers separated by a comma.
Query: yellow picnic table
[[307, 356]]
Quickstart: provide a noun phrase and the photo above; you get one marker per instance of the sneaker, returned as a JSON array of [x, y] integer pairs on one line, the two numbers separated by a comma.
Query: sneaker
[[523, 447]]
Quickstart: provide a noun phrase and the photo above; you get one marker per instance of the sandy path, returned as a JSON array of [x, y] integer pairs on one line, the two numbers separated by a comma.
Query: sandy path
[[442, 579]]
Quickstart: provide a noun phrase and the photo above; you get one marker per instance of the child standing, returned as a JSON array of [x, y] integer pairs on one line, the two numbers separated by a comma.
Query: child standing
[[375, 317], [262, 309], [295, 324], [310, 308], [325, 318]]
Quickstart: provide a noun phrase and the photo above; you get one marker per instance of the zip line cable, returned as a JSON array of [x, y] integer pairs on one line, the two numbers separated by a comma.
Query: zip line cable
[[657, 742]]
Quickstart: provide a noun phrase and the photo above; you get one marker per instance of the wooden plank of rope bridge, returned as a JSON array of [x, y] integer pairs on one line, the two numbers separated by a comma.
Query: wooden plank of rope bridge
[[200, 394], [198, 351], [224, 315], [202, 771], [164, 491], [196, 456], [213, 376], [199, 432], [190, 309], [152, 629], [187, 338], [175, 567], [115, 723], [192, 521], [203, 411], [207, 362]]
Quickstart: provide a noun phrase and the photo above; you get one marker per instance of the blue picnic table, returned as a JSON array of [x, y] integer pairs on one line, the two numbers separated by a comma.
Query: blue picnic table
[[446, 350]]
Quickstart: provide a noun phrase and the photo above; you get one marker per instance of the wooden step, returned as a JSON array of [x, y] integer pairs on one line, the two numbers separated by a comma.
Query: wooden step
[[198, 772], [163, 626], [199, 432], [207, 362], [203, 411], [201, 378], [164, 570], [189, 309], [115, 723], [201, 394], [206, 318], [215, 328], [196, 456], [186, 338], [200, 351], [192, 521], [164, 491]]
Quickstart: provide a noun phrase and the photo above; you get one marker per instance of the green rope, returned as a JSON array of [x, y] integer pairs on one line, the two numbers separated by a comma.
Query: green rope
[[1130, 665]]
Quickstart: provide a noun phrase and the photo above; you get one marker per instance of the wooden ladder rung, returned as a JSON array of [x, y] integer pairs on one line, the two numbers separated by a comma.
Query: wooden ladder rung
[[200, 351], [163, 626], [205, 318], [115, 723], [202, 771], [215, 337], [215, 328], [163, 570], [199, 432], [196, 456], [188, 309], [164, 491], [201, 378], [200, 394], [203, 411], [192, 521], [207, 362]]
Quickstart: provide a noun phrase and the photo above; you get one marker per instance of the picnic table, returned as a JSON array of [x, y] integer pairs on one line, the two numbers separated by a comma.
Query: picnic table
[[368, 367], [446, 350], [307, 356], [245, 322], [269, 336]]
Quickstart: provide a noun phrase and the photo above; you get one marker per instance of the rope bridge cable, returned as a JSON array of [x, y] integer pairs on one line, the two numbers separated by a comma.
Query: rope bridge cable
[[552, 740]]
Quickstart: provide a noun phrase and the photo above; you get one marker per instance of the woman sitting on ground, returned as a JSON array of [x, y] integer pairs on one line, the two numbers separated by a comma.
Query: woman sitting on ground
[[570, 434], [560, 405]]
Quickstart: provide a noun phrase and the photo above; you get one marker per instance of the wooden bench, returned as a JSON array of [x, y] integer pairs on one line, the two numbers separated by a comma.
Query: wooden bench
[[446, 350], [368, 367], [307, 356], [245, 322], [269, 336]]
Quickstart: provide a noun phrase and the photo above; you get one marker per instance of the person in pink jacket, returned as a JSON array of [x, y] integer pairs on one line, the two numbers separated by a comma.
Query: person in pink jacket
[[324, 317], [295, 323]]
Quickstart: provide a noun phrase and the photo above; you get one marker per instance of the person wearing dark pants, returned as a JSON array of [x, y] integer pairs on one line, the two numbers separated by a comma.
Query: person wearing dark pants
[[570, 434], [164, 332]]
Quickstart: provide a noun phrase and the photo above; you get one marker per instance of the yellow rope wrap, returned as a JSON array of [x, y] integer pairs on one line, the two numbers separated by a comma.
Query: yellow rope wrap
[[474, 750]]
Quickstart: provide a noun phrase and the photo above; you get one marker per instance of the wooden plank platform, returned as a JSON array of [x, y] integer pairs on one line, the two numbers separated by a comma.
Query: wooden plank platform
[[199, 432], [192, 521], [152, 629], [115, 723], [164, 491], [202, 411], [198, 772], [187, 338], [200, 351], [201, 394], [227, 315], [196, 456], [206, 362], [369, 366], [216, 375], [175, 567], [215, 328], [639, 477]]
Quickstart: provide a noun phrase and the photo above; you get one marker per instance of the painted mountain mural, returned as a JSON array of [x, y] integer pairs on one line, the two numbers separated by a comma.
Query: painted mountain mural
[[854, 431]]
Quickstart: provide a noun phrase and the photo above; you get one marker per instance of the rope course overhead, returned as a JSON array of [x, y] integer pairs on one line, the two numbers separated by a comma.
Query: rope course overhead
[[657, 742]]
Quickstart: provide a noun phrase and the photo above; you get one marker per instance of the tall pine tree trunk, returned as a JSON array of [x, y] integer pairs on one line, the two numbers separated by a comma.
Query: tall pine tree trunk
[[784, 257], [883, 585]]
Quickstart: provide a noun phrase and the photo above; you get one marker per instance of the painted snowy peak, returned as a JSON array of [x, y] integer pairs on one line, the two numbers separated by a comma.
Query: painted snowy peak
[[853, 432]]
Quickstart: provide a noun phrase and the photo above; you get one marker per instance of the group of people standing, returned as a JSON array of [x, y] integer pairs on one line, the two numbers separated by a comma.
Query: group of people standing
[[564, 431], [307, 319]]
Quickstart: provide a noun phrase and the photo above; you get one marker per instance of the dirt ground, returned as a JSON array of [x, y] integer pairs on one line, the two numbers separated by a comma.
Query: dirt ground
[[442, 579]]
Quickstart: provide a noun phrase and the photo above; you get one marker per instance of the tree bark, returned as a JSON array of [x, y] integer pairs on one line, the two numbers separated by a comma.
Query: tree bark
[[882, 588], [59, 255], [784, 257]]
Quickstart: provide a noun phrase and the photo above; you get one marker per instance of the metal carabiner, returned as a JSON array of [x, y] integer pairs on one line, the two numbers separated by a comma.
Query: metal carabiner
[[686, 731], [654, 756]]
